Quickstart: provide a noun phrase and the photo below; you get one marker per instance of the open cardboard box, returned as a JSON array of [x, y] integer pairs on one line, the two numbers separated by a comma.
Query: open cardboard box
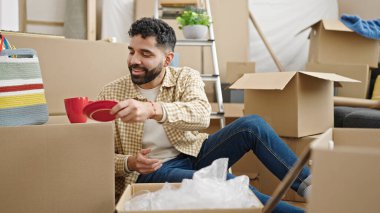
[[295, 104], [331, 42], [134, 189], [57, 167], [358, 72], [346, 178]]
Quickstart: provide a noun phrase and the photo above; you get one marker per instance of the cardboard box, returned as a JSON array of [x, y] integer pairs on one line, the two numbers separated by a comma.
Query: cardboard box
[[331, 42], [268, 182], [261, 178], [346, 179], [295, 104], [57, 167], [248, 165], [236, 70], [232, 111], [361, 73], [72, 68], [232, 95], [133, 189], [366, 9]]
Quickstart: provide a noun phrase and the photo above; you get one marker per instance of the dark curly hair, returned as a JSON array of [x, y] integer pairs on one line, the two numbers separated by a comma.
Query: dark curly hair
[[146, 27]]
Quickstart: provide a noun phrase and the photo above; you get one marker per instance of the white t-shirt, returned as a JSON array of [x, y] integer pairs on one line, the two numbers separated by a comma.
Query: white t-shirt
[[154, 136]]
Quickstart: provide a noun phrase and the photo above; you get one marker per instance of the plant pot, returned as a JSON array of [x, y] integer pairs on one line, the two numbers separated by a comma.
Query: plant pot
[[195, 31]]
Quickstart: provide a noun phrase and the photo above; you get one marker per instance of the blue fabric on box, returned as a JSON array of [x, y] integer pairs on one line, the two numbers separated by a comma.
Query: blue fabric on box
[[367, 28]]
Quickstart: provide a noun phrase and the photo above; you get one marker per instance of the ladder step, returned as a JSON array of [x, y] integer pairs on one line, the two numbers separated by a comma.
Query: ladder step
[[217, 115], [170, 12], [210, 77], [195, 42]]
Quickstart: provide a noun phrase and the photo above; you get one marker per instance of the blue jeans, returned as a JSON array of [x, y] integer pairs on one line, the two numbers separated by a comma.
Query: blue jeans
[[232, 142]]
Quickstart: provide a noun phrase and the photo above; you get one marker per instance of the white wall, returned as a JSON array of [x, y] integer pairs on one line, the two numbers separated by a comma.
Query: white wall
[[39, 10], [283, 23], [9, 15], [42, 10]]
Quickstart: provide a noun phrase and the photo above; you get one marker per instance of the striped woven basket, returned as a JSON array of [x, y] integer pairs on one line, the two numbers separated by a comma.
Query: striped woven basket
[[22, 96]]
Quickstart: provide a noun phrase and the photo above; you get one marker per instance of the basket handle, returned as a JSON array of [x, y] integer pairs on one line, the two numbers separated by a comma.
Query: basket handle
[[19, 53]]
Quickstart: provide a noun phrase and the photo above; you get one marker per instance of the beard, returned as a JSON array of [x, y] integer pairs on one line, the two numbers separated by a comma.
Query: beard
[[148, 76]]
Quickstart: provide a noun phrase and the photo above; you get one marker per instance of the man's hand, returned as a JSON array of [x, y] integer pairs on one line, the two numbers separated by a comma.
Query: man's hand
[[142, 164], [131, 110]]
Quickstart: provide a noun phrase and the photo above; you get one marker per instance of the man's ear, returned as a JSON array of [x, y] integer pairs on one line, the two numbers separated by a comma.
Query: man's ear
[[168, 58]]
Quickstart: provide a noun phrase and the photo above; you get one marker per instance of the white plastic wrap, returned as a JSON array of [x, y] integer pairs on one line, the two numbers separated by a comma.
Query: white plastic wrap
[[207, 190], [281, 22]]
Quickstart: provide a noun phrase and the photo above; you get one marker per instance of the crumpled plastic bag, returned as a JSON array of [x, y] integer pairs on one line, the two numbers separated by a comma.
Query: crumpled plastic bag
[[208, 189]]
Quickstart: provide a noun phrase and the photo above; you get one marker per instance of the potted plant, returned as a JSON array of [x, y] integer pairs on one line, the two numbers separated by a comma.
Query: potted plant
[[194, 22]]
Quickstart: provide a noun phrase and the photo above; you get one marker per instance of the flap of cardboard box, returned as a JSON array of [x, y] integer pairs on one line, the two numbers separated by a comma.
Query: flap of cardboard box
[[338, 138], [279, 80], [335, 25], [344, 69], [360, 72], [329, 76], [265, 81]]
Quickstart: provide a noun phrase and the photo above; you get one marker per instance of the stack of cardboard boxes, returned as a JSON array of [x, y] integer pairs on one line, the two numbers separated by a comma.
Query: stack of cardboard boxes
[[335, 48], [345, 179], [299, 105], [58, 166]]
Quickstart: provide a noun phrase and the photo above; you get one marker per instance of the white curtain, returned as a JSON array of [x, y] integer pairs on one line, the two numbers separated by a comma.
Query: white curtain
[[117, 17], [283, 23], [9, 17]]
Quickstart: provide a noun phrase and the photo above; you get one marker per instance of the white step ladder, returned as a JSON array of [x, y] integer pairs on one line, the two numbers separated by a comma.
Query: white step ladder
[[215, 76]]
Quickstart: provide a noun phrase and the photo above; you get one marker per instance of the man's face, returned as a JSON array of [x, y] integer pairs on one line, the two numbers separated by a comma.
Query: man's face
[[145, 60]]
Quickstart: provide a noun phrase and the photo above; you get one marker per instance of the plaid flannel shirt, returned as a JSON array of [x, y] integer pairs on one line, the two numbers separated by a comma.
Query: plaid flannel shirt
[[183, 98]]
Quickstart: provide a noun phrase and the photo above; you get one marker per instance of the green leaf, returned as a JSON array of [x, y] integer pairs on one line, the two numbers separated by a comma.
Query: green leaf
[[193, 16]]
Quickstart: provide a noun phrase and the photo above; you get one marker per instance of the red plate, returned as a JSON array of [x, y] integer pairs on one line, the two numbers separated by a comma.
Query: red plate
[[100, 110]]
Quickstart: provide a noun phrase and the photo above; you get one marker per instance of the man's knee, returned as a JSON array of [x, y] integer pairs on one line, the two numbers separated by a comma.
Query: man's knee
[[250, 121]]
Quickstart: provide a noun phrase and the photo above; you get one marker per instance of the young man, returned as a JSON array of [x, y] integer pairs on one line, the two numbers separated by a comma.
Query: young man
[[160, 111]]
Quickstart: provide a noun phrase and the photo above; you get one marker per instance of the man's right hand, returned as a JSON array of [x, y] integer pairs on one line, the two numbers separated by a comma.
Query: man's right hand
[[142, 164]]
